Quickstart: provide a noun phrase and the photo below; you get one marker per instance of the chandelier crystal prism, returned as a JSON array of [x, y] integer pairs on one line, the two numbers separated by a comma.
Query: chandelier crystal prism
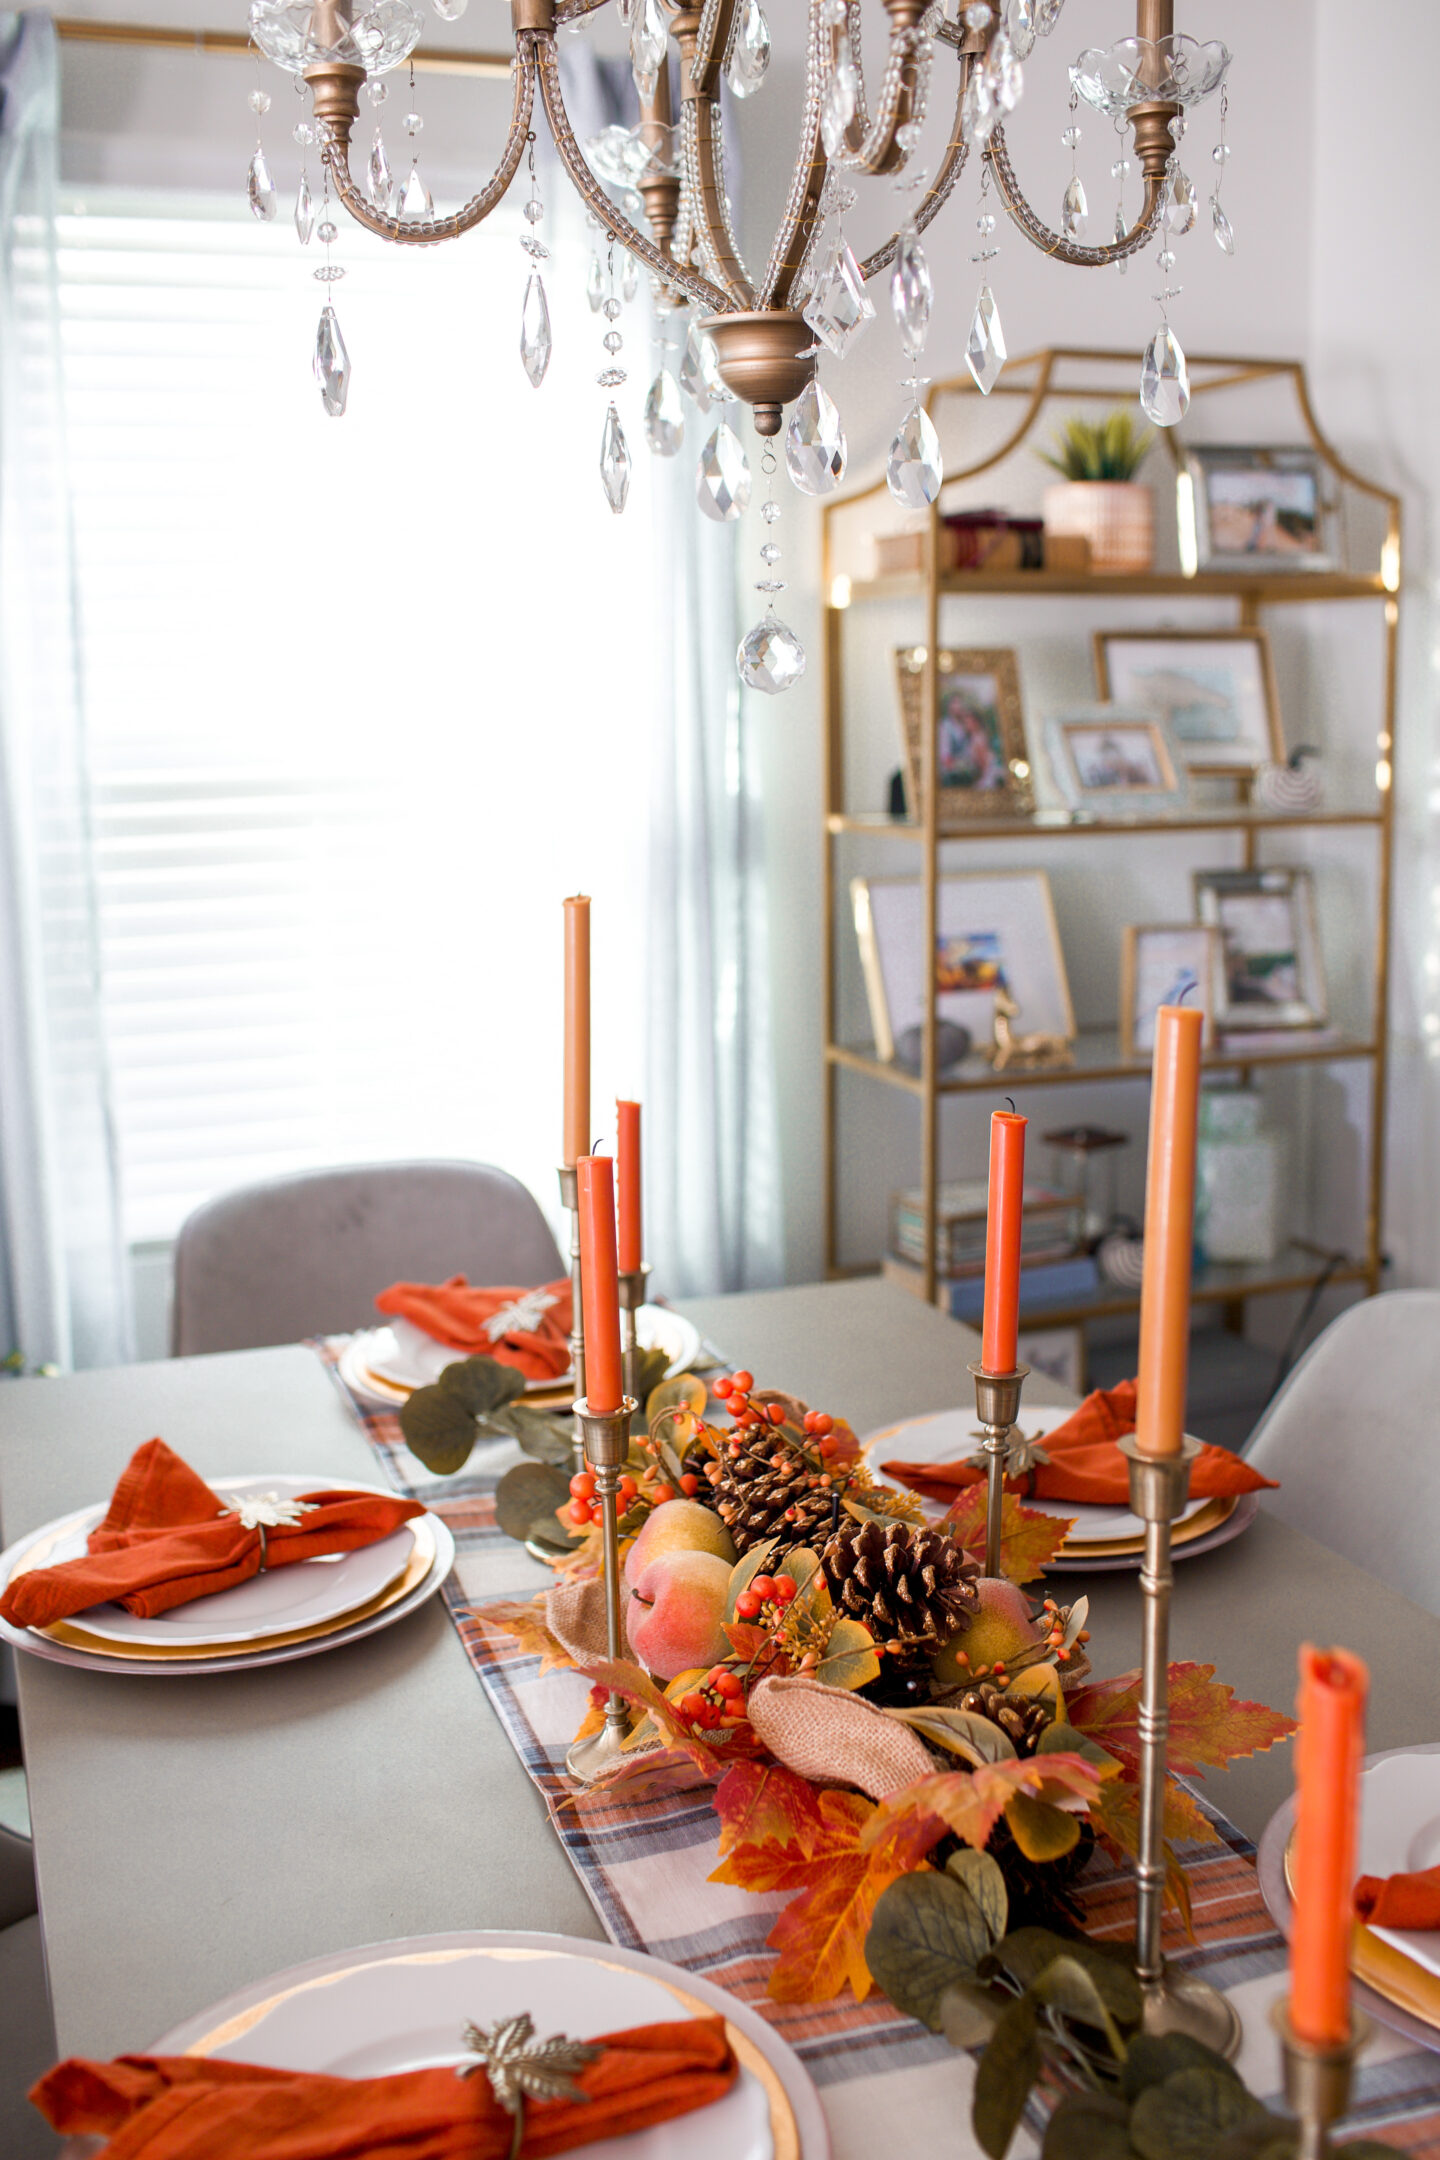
[[658, 190]]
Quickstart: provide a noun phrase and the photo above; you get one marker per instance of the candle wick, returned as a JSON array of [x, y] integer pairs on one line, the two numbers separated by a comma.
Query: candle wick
[[1183, 994], [1011, 1100]]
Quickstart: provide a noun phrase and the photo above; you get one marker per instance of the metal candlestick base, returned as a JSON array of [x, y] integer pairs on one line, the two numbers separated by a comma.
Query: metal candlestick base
[[632, 1297], [570, 1198], [1173, 2002], [605, 1435], [997, 1405], [1317, 2079]]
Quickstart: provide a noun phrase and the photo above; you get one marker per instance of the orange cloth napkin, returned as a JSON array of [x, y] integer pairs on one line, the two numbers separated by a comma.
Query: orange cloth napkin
[[182, 2107], [1400, 1901], [167, 1538], [511, 1326], [1085, 1464]]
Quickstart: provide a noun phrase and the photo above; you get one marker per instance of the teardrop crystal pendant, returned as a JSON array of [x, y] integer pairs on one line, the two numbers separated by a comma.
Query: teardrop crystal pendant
[[1179, 203], [980, 115], [614, 462], [985, 350], [378, 179], [1007, 77], [839, 308], [1121, 229], [837, 107], [1020, 22], [911, 292], [595, 285], [771, 658], [815, 442], [535, 330], [647, 47], [916, 468], [304, 211], [332, 364], [261, 188], [664, 415], [449, 10], [751, 55], [722, 478], [694, 371], [1224, 231], [416, 201], [1074, 210], [1164, 379], [629, 279]]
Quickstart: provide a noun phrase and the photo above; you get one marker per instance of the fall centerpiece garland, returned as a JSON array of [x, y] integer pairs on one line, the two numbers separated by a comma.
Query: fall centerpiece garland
[[922, 1755]]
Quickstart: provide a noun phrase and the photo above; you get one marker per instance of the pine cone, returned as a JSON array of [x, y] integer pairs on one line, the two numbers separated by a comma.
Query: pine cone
[[911, 1586], [756, 1499], [1019, 1717]]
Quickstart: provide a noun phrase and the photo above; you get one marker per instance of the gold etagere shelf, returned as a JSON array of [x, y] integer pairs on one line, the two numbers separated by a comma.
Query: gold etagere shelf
[[1084, 377]]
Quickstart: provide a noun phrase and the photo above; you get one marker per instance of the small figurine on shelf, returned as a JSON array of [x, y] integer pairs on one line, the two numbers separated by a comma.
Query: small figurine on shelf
[[1293, 787], [1023, 1053]]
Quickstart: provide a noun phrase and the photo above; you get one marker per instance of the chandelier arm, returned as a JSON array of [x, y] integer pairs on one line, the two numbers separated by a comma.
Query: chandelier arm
[[901, 99], [428, 232], [934, 200], [614, 220], [1052, 243], [719, 251], [807, 181]]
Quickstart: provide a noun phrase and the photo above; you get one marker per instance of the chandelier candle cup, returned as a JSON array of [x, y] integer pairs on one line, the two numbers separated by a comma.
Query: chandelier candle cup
[[605, 1436]]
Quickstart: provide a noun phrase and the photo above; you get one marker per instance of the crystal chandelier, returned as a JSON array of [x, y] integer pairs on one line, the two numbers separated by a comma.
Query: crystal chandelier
[[657, 193]]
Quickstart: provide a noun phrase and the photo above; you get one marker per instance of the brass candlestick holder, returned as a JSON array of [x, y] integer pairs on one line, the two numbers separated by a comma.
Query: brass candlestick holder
[[632, 1297], [1174, 2002], [1317, 2079], [605, 1436], [997, 1405], [570, 1198]]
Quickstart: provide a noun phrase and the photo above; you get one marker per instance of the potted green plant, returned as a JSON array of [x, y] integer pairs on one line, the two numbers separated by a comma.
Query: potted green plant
[[1098, 496]]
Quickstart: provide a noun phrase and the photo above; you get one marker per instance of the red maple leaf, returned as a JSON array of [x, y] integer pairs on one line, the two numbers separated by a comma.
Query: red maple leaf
[[1208, 1727], [1029, 1539]]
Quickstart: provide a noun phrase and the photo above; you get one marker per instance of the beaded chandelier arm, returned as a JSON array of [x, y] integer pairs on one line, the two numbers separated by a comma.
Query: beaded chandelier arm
[[1052, 243]]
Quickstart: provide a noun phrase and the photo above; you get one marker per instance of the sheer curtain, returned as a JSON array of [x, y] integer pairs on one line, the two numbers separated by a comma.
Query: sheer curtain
[[63, 1278]]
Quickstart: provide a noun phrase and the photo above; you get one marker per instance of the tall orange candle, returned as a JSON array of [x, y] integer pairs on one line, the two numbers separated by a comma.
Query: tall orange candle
[[577, 1029], [627, 1187], [1333, 1686], [1169, 1231], [600, 1291], [1000, 1334]]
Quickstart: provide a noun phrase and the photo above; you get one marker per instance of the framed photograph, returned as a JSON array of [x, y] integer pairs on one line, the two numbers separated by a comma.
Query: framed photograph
[[1258, 509], [1215, 690], [1161, 964], [1058, 1352], [1271, 974], [996, 930], [1118, 760], [980, 756]]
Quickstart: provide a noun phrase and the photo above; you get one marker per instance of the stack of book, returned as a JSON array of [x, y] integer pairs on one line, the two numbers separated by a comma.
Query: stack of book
[[1055, 1269]]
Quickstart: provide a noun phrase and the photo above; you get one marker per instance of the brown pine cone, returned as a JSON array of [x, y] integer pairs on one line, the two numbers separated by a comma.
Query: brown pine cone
[[756, 1499], [911, 1585], [1019, 1717]]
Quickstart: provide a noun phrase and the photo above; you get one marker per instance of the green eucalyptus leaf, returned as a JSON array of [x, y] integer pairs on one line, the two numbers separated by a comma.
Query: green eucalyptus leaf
[[849, 1659], [1061, 1739], [1153, 2057], [1070, 1991], [482, 1384], [1187, 2116], [756, 1562], [654, 1365], [527, 1498], [1272, 2137], [976, 1739], [541, 1435], [981, 1876], [967, 2014], [1005, 2075], [1088, 2126], [439, 1429], [1041, 1831], [927, 1932], [1025, 1953]]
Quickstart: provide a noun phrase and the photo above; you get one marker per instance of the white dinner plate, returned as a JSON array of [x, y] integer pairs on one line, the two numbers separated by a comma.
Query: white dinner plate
[[403, 2006], [305, 1594], [950, 1435], [388, 1363]]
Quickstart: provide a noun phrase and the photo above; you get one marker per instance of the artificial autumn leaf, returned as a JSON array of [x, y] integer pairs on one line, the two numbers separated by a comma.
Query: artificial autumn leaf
[[968, 1803], [765, 1812], [623, 1678], [1029, 1539], [528, 1625], [1115, 1813], [658, 1773], [1208, 1728]]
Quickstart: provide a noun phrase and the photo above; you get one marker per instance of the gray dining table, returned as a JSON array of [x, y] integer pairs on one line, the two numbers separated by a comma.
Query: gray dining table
[[195, 1834]]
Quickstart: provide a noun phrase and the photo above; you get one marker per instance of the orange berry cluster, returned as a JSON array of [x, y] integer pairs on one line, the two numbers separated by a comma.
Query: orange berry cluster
[[1055, 1623], [736, 1392], [766, 1598], [584, 1506], [719, 1699]]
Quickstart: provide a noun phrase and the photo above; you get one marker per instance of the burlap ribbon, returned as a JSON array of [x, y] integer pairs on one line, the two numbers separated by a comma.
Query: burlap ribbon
[[837, 1738]]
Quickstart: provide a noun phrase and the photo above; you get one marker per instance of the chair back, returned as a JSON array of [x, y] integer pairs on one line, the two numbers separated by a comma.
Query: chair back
[[308, 1255], [1354, 1438]]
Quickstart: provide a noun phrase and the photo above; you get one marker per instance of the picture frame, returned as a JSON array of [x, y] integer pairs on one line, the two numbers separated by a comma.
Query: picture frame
[[1059, 1353], [1115, 760], [1160, 964], [1215, 689], [1257, 508], [995, 929], [1271, 974], [981, 759]]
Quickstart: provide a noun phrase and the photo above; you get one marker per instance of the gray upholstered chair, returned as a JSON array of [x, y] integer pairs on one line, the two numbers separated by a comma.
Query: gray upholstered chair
[[1354, 1438], [27, 2032], [308, 1255]]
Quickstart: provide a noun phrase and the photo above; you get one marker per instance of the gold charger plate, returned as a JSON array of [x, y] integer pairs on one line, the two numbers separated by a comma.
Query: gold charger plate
[[1381, 1966], [417, 1567], [1199, 1524]]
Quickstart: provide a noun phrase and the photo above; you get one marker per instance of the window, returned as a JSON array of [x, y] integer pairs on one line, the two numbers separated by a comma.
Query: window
[[365, 697]]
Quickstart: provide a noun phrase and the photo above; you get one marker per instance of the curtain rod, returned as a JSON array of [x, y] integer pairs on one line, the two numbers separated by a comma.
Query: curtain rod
[[84, 31]]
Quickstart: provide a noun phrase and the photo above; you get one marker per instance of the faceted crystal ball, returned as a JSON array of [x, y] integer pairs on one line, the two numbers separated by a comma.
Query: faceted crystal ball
[[771, 658]]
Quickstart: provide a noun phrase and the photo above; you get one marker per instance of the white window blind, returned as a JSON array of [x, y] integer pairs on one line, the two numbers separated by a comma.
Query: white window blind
[[364, 696]]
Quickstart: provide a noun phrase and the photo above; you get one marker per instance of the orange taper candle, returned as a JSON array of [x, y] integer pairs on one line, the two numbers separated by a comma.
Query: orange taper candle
[[1333, 1686], [600, 1292], [627, 1187], [577, 1028], [1002, 1243], [1169, 1231]]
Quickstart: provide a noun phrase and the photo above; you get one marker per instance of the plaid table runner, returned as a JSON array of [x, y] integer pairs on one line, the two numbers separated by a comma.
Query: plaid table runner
[[645, 1869]]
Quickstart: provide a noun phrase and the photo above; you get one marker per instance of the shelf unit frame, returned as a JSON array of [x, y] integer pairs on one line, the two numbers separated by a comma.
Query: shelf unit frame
[[1036, 380]]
